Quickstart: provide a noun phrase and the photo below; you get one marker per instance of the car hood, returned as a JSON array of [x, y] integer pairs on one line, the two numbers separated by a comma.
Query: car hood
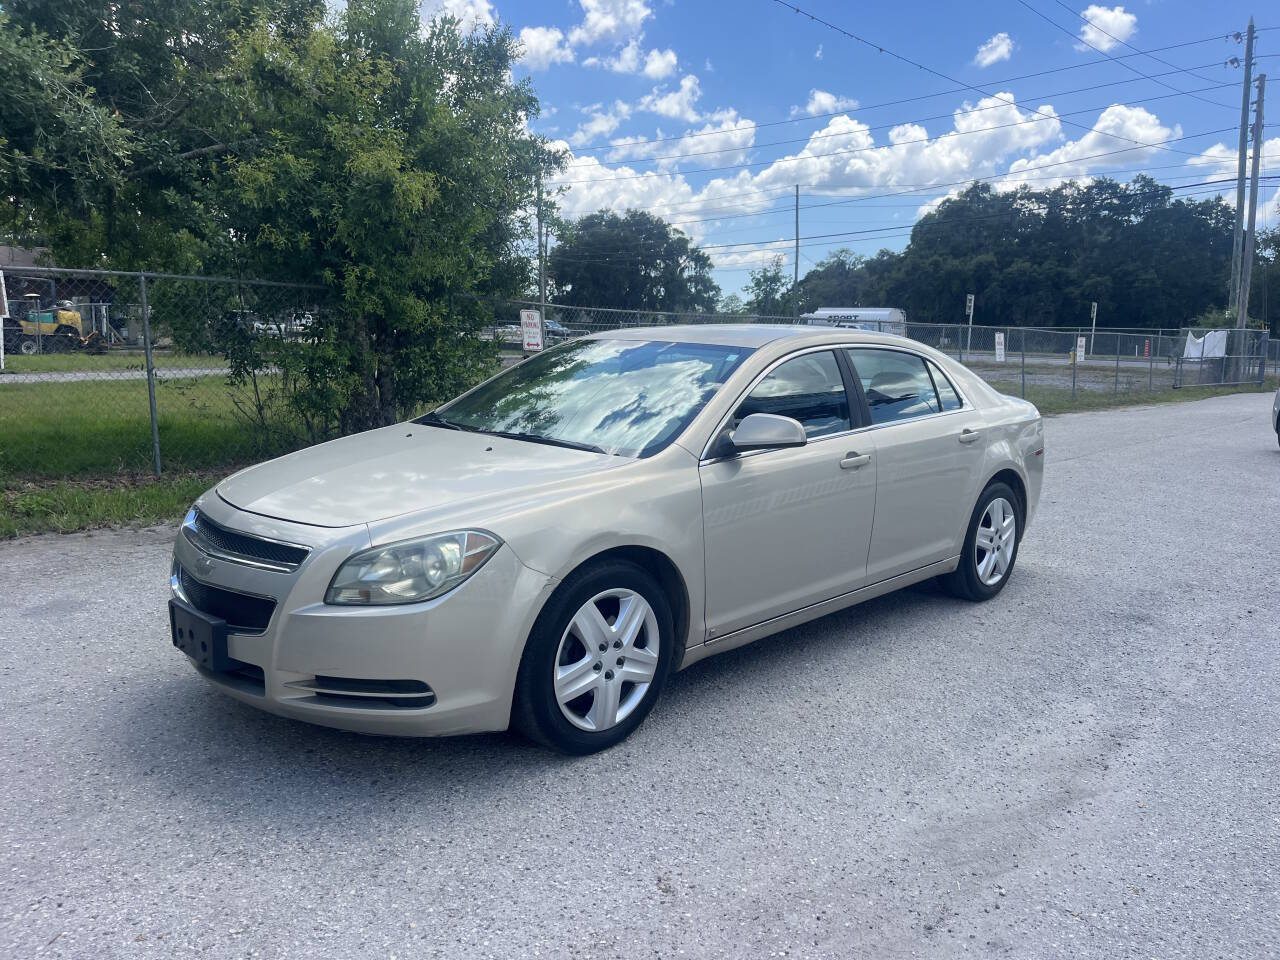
[[399, 470]]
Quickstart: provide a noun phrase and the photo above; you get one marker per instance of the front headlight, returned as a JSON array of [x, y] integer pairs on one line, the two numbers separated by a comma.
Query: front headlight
[[411, 571]]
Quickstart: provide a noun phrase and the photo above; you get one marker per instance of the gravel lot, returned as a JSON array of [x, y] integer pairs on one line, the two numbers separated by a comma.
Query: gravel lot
[[1086, 767]]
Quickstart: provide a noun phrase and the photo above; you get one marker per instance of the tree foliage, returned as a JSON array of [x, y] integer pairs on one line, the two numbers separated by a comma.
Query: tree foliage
[[387, 160], [635, 261], [1039, 257], [769, 289]]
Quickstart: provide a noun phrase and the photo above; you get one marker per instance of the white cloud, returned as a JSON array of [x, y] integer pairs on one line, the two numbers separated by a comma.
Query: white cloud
[[660, 63], [626, 60], [656, 64], [471, 13], [1115, 130], [820, 101], [605, 20], [724, 140], [1115, 21], [708, 67], [817, 54], [678, 104], [844, 159], [999, 47], [600, 122], [544, 46]]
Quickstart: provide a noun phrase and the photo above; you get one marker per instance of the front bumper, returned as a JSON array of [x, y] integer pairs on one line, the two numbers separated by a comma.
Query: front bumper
[[441, 667]]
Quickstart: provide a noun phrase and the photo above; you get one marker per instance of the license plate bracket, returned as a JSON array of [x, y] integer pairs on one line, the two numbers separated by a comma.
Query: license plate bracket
[[201, 637]]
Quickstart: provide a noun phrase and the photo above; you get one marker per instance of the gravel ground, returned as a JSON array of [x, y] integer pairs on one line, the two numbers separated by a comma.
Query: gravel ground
[[1085, 767]]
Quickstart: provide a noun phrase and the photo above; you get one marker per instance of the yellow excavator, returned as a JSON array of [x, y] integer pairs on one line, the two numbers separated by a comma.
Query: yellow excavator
[[55, 329]]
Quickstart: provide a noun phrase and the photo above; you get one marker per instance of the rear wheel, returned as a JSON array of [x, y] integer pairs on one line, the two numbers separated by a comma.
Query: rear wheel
[[990, 545], [596, 660], [27, 346]]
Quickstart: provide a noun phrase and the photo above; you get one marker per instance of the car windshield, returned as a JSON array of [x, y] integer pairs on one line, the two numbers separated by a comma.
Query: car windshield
[[629, 398]]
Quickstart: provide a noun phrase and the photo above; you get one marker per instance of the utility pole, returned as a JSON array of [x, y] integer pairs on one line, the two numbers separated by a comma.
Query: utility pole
[[795, 267], [542, 267], [1246, 263], [1237, 237]]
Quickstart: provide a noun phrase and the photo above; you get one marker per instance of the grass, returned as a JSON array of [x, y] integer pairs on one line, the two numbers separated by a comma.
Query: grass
[[102, 428], [69, 506], [112, 360], [1056, 400]]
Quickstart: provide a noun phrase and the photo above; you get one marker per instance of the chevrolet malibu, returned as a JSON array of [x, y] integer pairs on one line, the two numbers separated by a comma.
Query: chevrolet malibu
[[543, 551]]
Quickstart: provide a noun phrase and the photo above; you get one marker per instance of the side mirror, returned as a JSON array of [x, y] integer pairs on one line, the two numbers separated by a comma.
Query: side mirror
[[767, 431]]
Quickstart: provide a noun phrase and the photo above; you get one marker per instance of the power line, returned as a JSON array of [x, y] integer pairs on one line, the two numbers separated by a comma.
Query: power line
[[1057, 26], [918, 65], [783, 244], [1002, 104], [1149, 54], [914, 99], [1040, 117]]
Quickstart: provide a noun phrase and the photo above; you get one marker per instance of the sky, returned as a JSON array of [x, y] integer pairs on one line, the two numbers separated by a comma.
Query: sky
[[710, 114]]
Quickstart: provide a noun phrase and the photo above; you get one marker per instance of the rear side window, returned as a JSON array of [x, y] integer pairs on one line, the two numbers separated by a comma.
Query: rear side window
[[808, 388], [946, 392], [897, 385]]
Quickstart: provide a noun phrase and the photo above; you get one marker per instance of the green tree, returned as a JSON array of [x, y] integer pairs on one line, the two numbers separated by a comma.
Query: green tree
[[770, 290], [834, 282], [385, 159], [632, 262]]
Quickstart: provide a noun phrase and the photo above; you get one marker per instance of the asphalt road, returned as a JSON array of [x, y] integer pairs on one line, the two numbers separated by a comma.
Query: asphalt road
[[1087, 766]]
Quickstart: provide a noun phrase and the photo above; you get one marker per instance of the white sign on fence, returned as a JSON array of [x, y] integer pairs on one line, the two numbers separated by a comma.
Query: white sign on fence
[[999, 348], [531, 328], [1080, 345]]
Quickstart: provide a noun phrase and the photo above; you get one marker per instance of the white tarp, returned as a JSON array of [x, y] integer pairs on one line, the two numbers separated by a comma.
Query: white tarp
[[1211, 346]]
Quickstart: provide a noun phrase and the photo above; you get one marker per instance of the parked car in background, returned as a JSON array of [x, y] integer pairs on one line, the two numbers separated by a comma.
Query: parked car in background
[[547, 548]]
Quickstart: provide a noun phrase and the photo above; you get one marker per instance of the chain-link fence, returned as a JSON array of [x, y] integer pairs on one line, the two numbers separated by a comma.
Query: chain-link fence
[[109, 374], [1042, 361]]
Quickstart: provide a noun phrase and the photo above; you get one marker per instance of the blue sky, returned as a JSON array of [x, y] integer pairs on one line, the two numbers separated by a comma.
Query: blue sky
[[708, 114]]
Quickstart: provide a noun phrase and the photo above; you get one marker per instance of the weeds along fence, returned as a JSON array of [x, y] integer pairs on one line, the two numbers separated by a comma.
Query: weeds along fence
[[112, 374]]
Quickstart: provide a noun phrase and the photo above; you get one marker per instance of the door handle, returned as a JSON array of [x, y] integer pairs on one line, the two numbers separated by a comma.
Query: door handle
[[853, 461], [968, 436]]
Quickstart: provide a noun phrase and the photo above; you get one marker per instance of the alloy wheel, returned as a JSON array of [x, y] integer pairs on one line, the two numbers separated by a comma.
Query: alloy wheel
[[995, 541], [607, 658]]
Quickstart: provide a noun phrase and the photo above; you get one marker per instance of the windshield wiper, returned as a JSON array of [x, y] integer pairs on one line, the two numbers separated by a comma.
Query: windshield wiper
[[434, 419], [550, 441]]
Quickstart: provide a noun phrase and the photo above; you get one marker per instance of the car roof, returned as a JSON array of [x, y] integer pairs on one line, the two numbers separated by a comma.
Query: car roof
[[747, 334]]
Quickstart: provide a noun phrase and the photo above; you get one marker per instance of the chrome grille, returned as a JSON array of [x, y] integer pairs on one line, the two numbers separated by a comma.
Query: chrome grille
[[231, 545]]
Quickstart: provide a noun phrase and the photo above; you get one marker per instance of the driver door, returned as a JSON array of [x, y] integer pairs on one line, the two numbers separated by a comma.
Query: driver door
[[788, 528]]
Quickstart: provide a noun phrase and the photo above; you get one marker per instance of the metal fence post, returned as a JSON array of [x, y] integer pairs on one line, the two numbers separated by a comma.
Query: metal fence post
[[1074, 360], [1116, 390], [1151, 365], [1024, 363], [151, 370]]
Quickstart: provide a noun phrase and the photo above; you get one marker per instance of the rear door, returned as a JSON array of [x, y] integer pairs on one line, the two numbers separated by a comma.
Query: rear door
[[788, 528], [930, 450]]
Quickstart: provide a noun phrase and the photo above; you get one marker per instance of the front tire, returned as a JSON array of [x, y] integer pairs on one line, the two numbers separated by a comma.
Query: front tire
[[596, 660], [990, 545]]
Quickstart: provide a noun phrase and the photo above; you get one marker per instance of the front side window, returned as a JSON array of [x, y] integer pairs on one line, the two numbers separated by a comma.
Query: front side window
[[897, 385], [808, 388], [629, 398]]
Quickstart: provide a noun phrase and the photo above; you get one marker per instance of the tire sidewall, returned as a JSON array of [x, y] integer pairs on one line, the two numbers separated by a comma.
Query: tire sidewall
[[536, 710], [968, 562]]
